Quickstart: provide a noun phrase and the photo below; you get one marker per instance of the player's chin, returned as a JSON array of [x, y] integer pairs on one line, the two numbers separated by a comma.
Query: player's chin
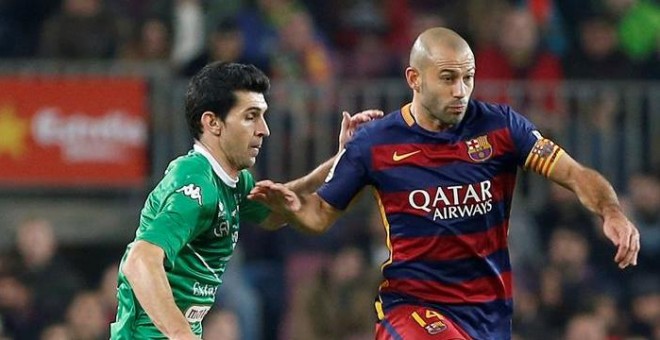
[[250, 162], [246, 161], [453, 119]]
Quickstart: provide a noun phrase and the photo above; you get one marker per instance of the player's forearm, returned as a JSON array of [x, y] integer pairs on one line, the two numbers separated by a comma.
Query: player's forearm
[[312, 181], [148, 280], [315, 216], [595, 192]]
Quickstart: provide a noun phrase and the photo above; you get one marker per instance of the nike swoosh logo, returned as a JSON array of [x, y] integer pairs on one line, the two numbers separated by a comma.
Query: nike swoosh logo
[[396, 157]]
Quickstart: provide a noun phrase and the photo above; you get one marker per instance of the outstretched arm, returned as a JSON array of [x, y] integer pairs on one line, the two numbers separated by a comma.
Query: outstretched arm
[[308, 212], [597, 195], [312, 181]]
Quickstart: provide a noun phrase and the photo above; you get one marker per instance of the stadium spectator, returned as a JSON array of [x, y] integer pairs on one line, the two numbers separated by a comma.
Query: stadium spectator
[[85, 318], [598, 55], [225, 43], [21, 25], [569, 278], [606, 308], [19, 317], [336, 302], [585, 327], [82, 30], [300, 53], [520, 55], [261, 21], [107, 292], [359, 61], [149, 42], [644, 209], [639, 26], [645, 306], [562, 208], [529, 321], [188, 31], [49, 276], [222, 324], [58, 331]]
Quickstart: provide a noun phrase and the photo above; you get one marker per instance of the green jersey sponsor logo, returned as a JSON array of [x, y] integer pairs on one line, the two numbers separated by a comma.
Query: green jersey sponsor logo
[[200, 289], [196, 313], [192, 191]]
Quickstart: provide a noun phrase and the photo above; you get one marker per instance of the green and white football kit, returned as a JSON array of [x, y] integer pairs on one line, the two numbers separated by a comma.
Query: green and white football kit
[[193, 214]]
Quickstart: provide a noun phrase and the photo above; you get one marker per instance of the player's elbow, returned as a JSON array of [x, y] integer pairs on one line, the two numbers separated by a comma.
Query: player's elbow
[[131, 269], [140, 258]]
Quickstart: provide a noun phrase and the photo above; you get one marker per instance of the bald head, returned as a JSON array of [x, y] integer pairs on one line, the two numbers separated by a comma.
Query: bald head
[[433, 42], [441, 75]]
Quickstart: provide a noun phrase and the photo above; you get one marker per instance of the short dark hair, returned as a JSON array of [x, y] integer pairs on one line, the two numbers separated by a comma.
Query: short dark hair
[[213, 89]]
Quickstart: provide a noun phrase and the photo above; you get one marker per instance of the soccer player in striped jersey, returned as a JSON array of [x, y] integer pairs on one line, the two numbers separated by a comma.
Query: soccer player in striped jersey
[[443, 168], [189, 225]]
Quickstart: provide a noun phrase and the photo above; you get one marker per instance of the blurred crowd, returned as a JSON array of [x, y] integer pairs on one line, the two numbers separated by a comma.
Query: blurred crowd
[[321, 41], [285, 285]]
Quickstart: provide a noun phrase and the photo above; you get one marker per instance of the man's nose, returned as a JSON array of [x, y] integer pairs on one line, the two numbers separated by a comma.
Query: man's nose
[[262, 129], [459, 89]]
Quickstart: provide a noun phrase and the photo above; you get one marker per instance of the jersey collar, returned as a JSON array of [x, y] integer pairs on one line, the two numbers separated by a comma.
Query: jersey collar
[[231, 182], [407, 114]]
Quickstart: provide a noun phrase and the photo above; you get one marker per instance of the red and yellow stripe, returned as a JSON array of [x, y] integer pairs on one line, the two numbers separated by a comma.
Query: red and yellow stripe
[[381, 208], [543, 157]]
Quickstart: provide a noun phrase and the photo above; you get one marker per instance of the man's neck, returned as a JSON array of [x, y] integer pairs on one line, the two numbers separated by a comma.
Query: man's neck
[[427, 121], [219, 157]]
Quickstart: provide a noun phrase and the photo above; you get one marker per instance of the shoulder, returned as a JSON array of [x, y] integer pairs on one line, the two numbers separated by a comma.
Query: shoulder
[[489, 108], [490, 111], [490, 116], [380, 128], [188, 164], [189, 170]]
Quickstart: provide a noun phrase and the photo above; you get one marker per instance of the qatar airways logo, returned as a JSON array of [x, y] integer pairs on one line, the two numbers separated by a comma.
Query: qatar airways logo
[[457, 201]]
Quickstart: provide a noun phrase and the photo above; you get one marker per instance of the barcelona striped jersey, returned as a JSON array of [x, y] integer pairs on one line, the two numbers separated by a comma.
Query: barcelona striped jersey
[[445, 198]]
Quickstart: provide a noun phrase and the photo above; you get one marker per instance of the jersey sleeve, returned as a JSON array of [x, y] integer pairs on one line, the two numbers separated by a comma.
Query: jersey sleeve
[[349, 173], [534, 152], [523, 132], [250, 210], [186, 206]]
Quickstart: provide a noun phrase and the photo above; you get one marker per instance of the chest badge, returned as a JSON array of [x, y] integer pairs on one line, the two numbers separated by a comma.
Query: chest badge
[[479, 149]]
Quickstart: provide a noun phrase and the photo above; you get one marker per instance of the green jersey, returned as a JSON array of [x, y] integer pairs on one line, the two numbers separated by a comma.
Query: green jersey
[[193, 214]]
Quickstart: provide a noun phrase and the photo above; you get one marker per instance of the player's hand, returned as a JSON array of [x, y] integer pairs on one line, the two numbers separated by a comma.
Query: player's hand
[[625, 237], [276, 196], [350, 123]]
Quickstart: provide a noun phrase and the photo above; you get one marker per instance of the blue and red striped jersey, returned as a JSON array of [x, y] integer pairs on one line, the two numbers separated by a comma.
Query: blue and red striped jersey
[[445, 199]]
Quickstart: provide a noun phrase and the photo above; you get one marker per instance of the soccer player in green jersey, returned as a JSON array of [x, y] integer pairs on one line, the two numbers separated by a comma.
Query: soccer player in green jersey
[[189, 225]]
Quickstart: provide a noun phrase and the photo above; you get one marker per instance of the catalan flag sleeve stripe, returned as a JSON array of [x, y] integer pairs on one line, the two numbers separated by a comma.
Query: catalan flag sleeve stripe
[[543, 157]]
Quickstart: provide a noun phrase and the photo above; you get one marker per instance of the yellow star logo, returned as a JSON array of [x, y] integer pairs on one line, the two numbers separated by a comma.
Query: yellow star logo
[[13, 131]]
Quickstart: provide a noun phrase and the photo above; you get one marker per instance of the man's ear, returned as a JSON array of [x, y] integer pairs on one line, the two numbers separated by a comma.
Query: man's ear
[[211, 123], [413, 79]]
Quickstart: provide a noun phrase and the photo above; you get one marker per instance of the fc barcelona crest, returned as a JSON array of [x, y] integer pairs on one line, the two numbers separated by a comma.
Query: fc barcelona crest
[[479, 149]]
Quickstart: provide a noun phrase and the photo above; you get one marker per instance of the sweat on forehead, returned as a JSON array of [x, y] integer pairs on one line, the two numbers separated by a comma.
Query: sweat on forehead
[[429, 41]]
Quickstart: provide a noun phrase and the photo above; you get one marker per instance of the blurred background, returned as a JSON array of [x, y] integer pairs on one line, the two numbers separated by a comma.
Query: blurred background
[[91, 112]]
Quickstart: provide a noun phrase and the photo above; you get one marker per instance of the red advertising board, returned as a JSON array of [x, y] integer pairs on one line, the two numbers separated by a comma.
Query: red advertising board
[[73, 131]]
